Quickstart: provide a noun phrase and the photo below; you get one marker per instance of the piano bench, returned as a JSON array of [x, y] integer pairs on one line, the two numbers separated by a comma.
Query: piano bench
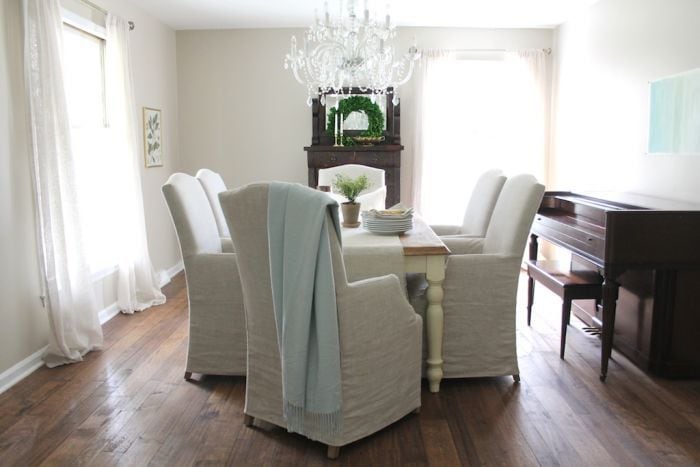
[[567, 284]]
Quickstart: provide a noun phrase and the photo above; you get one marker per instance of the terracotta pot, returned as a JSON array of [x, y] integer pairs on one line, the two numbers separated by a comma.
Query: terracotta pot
[[351, 212]]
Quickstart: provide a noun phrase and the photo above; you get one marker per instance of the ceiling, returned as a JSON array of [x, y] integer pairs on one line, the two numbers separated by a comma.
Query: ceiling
[[226, 14]]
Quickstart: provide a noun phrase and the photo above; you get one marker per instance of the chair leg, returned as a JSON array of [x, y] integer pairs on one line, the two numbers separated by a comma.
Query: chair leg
[[565, 317], [333, 452], [516, 378], [248, 420], [188, 376], [530, 297]]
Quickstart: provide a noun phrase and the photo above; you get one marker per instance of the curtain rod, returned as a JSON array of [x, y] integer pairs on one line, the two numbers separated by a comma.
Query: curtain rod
[[103, 11], [547, 50]]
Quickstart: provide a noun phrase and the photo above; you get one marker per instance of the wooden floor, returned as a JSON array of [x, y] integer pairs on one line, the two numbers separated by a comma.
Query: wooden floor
[[129, 404]]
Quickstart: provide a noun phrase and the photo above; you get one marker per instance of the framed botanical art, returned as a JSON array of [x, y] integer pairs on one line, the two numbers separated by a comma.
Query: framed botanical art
[[152, 137]]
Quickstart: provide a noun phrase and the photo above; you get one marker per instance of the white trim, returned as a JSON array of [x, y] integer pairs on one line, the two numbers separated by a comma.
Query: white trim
[[84, 24], [29, 365], [21, 370], [108, 313], [165, 275], [104, 272]]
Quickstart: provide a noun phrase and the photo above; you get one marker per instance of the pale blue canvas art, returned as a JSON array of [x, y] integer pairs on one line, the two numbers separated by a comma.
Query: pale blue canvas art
[[674, 116]]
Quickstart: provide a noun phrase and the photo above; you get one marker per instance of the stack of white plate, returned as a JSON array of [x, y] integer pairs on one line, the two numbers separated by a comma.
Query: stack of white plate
[[389, 222]]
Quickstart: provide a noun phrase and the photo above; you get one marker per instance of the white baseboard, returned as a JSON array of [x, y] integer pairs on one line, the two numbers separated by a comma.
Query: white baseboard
[[29, 365], [165, 275], [108, 313], [21, 370]]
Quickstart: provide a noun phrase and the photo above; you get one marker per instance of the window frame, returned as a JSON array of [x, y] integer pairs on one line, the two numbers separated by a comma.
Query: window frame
[[86, 26]]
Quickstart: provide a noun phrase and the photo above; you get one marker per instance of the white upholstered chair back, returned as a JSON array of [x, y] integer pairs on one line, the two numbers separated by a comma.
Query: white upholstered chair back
[[373, 197], [483, 199], [513, 215], [192, 215], [213, 184], [375, 176]]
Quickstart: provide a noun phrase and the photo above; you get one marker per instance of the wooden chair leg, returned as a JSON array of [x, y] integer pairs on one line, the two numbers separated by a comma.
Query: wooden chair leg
[[530, 297], [516, 378], [333, 452], [565, 317], [188, 376]]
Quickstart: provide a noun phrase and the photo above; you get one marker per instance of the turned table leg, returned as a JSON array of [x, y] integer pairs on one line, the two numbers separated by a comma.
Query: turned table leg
[[435, 275]]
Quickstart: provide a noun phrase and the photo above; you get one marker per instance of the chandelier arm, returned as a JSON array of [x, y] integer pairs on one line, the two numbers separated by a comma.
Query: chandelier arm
[[345, 51]]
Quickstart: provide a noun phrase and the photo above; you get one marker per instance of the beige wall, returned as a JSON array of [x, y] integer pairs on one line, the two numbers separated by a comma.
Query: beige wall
[[605, 59], [244, 115], [24, 326]]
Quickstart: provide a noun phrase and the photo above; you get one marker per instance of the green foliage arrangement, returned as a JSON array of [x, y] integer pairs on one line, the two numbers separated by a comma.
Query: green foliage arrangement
[[375, 117], [350, 187]]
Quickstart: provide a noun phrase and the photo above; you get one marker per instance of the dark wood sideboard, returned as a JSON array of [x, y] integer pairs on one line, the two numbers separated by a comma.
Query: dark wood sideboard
[[322, 154], [385, 156]]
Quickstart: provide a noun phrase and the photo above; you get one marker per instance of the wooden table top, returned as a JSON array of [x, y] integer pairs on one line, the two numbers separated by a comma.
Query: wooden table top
[[422, 241]]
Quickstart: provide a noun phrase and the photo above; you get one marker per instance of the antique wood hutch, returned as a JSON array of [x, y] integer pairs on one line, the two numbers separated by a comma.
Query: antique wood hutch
[[385, 155]]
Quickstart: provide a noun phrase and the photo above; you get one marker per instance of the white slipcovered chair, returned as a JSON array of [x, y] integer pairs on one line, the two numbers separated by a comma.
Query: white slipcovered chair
[[213, 184], [380, 335], [373, 197], [481, 286], [479, 209], [217, 341]]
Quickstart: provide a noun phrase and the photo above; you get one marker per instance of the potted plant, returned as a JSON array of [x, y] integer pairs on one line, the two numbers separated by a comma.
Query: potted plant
[[351, 189]]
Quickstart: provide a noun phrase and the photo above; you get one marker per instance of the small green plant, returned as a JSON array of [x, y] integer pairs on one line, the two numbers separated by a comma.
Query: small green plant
[[350, 187]]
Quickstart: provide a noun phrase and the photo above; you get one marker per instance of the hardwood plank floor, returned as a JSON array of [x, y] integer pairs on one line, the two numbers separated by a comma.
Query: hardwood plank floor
[[129, 405]]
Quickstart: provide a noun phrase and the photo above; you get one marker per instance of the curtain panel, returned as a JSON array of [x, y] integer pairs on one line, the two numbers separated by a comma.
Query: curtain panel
[[138, 285], [72, 311]]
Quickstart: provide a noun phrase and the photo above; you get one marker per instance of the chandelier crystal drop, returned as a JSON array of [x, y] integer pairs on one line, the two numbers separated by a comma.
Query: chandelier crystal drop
[[350, 51]]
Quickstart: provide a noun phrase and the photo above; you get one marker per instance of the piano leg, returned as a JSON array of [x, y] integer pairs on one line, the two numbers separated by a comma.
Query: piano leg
[[530, 281], [610, 292], [533, 247]]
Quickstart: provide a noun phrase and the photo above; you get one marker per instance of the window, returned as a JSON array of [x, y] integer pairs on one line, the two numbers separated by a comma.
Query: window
[[479, 114], [84, 81]]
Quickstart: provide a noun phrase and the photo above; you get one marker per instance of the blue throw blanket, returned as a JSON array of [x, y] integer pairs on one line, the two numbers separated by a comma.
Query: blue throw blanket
[[303, 292]]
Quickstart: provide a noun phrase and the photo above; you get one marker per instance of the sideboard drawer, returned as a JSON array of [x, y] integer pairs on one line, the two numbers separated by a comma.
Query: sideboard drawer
[[324, 160], [378, 159]]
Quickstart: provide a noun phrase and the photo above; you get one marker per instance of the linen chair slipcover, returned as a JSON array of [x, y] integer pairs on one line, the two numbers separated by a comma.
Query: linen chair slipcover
[[217, 341], [481, 286], [479, 209], [213, 184], [380, 335], [373, 197]]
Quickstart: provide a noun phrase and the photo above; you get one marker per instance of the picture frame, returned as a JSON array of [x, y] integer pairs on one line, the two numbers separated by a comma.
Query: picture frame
[[674, 115], [152, 137]]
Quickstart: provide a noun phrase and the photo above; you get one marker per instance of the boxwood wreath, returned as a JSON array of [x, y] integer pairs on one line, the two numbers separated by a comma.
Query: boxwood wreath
[[352, 104]]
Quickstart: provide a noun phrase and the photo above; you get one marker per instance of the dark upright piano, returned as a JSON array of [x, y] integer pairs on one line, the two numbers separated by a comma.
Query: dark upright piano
[[648, 252]]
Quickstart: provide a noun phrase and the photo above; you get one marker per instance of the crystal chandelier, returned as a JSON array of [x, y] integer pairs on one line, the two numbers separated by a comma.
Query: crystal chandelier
[[350, 51]]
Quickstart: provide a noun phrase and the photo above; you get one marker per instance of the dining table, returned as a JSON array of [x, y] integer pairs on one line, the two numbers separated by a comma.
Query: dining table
[[419, 250]]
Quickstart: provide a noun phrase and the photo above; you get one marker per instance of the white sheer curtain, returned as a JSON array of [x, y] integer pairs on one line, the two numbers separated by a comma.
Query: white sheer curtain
[[479, 112], [74, 323], [138, 285], [430, 58], [532, 65]]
